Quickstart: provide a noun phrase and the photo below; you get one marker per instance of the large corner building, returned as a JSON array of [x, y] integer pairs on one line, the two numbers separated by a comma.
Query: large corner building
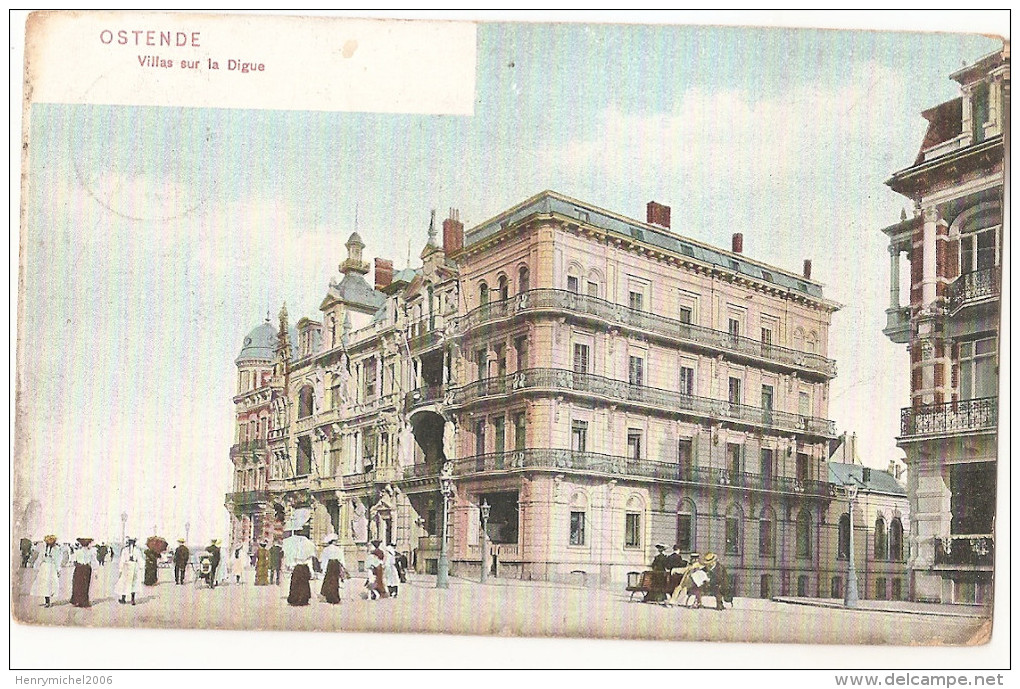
[[600, 383], [950, 324]]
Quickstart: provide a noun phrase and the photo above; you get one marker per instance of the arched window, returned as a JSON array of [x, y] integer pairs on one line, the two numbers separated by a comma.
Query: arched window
[[632, 526], [881, 540], [896, 540], [843, 547], [523, 279], [804, 534], [686, 526], [306, 401], [504, 288], [574, 279], [811, 342], [483, 294]]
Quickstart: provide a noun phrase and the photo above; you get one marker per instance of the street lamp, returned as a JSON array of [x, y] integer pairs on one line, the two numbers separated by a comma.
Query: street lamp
[[123, 526], [187, 532], [485, 541], [848, 491], [443, 572]]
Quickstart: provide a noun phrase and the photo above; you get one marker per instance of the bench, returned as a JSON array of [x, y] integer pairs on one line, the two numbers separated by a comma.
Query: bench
[[649, 583]]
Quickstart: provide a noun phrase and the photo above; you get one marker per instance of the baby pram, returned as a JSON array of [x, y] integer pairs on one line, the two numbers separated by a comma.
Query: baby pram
[[205, 571]]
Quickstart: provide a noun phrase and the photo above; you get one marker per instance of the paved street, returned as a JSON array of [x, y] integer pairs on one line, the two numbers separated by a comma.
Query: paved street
[[505, 608]]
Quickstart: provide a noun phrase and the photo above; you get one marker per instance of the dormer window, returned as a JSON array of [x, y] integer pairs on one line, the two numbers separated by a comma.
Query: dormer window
[[979, 112]]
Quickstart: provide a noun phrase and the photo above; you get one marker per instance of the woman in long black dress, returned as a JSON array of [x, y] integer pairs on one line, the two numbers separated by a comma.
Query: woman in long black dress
[[85, 563], [151, 560]]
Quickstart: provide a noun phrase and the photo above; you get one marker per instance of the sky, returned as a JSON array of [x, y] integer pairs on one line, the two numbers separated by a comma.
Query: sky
[[154, 239]]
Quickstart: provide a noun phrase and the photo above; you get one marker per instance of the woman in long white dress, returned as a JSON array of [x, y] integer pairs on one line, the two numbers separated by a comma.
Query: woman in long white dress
[[132, 562], [391, 577], [238, 564], [47, 564]]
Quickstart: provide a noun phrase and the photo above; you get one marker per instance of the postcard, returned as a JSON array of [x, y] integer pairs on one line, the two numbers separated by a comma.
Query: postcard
[[496, 327]]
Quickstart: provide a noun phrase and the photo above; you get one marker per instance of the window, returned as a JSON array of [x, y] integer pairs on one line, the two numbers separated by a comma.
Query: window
[[881, 540], [685, 458], [483, 294], [637, 301], [685, 531], [897, 589], [804, 404], [766, 338], [766, 586], [686, 380], [802, 467], [979, 112], [836, 590], [804, 534], [733, 458], [304, 455], [523, 279], [880, 588], [593, 289], [306, 402], [482, 362], [636, 371], [579, 436], [734, 328], [519, 431], [978, 250], [768, 464], [504, 288], [843, 546], [499, 430], [634, 444], [686, 314], [580, 358], [765, 536], [978, 377], [896, 540], [577, 528], [767, 396], [521, 345], [573, 284], [500, 360], [480, 437], [732, 534], [369, 370], [632, 530], [734, 391], [803, 583]]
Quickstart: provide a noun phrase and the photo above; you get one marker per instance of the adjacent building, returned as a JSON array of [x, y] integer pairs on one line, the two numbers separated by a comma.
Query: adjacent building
[[599, 384], [950, 324]]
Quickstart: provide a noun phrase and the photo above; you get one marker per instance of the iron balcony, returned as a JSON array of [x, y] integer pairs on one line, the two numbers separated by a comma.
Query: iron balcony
[[963, 416]]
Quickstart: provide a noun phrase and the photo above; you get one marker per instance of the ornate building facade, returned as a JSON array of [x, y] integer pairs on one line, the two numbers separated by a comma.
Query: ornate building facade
[[953, 242], [593, 384]]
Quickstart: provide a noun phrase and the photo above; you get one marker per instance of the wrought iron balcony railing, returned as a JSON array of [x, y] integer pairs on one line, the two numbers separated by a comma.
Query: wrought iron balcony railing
[[981, 284], [425, 333], [563, 379], [248, 446], [425, 395], [952, 417], [558, 459], [420, 471], [356, 480], [716, 340], [967, 551], [248, 497]]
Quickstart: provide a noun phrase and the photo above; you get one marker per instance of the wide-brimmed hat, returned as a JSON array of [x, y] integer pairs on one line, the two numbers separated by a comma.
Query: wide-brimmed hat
[[710, 558], [263, 543], [215, 541], [84, 540], [660, 546], [50, 538], [130, 539], [180, 540]]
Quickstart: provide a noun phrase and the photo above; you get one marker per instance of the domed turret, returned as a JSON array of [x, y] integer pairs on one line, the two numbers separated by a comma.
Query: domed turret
[[259, 345]]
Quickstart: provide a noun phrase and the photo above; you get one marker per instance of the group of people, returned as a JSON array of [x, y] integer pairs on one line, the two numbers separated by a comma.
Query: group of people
[[690, 578], [386, 570]]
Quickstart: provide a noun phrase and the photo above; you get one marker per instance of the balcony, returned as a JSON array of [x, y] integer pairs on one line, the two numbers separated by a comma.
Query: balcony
[[897, 324], [248, 497], [966, 552], [429, 394], [619, 466], [969, 288], [292, 483], [559, 380], [248, 446], [420, 471], [426, 333], [696, 335], [964, 416], [365, 478]]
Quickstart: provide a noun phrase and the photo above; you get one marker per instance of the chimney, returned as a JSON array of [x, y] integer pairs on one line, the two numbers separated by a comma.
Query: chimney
[[453, 233], [807, 268], [658, 214], [738, 243], [383, 273]]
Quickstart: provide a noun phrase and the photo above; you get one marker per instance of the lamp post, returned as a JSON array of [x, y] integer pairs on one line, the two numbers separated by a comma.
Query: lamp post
[[443, 572], [187, 532], [123, 527], [485, 541], [848, 491]]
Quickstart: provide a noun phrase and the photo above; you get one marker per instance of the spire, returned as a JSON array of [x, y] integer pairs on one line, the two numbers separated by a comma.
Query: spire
[[432, 229], [354, 263]]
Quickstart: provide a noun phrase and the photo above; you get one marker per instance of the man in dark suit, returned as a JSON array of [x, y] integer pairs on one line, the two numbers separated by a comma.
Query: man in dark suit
[[214, 553], [674, 561], [275, 563], [181, 556], [718, 583]]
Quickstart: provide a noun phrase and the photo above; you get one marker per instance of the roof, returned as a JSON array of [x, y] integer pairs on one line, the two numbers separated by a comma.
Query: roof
[[553, 202], [879, 481], [355, 291], [405, 275], [260, 344], [945, 122]]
